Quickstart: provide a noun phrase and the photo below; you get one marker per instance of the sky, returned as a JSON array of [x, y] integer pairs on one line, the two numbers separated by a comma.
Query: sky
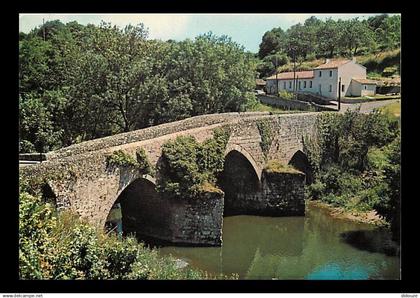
[[245, 29]]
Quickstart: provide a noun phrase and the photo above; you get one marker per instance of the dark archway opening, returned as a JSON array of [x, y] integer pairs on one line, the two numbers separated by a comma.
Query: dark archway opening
[[139, 211], [300, 162], [240, 183], [48, 195]]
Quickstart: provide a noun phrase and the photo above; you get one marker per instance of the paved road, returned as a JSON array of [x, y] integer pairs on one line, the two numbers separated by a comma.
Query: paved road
[[364, 107]]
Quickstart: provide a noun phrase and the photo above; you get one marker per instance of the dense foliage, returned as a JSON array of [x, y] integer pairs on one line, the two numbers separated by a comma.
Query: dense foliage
[[141, 162], [82, 82], [356, 161], [61, 246], [188, 167], [316, 38]]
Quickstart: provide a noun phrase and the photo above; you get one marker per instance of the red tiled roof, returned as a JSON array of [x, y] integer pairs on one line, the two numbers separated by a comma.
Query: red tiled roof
[[365, 81], [333, 64], [309, 74]]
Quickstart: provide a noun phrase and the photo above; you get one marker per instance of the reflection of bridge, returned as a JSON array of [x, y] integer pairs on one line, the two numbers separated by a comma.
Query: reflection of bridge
[[81, 180]]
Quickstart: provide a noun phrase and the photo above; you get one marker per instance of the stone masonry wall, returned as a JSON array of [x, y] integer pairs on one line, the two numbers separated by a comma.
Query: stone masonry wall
[[149, 133], [288, 135], [195, 221], [281, 194], [82, 181], [199, 221]]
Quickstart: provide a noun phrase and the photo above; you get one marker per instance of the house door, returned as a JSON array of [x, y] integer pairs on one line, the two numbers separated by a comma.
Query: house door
[[319, 89]]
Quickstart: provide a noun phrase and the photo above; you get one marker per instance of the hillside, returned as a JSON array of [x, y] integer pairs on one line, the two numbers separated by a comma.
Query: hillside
[[382, 65]]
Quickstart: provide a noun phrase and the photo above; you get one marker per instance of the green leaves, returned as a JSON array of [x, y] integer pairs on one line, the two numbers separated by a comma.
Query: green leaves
[[187, 165], [62, 246], [94, 81], [121, 159], [179, 171], [358, 163], [317, 38]]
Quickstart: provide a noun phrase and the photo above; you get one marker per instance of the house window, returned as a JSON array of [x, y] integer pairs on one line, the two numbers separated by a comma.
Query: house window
[[284, 85], [342, 88], [290, 84], [330, 88], [330, 73], [320, 73], [310, 84], [365, 87], [304, 84], [299, 84]]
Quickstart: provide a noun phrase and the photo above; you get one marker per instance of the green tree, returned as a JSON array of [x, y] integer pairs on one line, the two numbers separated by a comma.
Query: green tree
[[36, 128], [273, 41], [329, 36], [389, 32], [356, 35], [300, 41], [267, 66], [93, 81], [375, 22], [48, 29], [34, 68], [390, 204], [211, 75]]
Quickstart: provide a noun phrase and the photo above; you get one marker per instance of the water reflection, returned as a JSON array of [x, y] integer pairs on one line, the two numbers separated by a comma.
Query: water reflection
[[309, 247], [371, 240]]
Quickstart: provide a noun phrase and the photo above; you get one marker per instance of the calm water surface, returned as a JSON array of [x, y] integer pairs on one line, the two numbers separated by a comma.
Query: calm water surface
[[307, 247]]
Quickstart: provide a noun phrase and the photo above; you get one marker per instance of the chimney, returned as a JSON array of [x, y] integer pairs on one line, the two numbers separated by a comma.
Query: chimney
[[327, 60]]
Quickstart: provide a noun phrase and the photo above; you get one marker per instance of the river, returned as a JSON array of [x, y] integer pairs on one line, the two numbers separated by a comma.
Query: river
[[309, 247]]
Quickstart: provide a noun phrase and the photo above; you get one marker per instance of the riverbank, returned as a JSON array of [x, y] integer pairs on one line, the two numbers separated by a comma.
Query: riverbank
[[370, 217]]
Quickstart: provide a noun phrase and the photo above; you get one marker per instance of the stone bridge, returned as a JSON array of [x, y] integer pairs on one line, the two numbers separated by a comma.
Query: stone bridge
[[79, 178]]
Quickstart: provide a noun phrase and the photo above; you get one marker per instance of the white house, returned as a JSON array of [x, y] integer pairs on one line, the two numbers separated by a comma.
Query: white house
[[324, 80]]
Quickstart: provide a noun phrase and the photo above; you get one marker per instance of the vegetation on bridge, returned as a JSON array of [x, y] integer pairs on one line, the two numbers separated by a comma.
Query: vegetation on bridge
[[276, 166], [141, 162], [188, 167], [356, 161], [266, 134]]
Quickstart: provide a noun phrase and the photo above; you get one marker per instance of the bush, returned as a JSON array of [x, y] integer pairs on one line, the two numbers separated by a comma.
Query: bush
[[143, 163], [186, 165], [285, 95], [356, 160], [62, 246], [121, 159], [178, 170], [315, 190]]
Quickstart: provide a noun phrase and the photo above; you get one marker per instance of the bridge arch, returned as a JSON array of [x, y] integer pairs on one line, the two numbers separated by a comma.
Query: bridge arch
[[234, 147], [300, 161], [240, 180], [138, 209]]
